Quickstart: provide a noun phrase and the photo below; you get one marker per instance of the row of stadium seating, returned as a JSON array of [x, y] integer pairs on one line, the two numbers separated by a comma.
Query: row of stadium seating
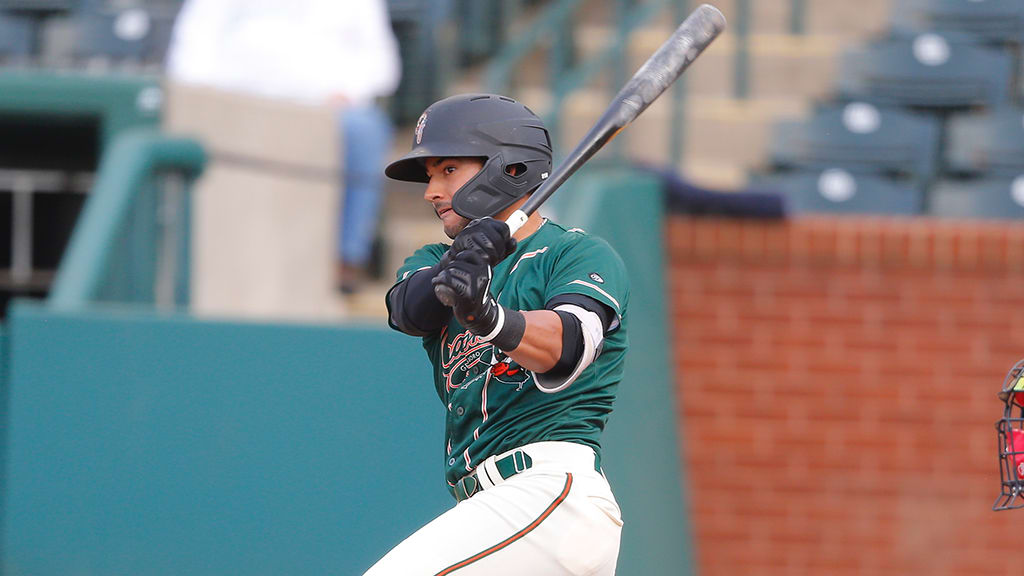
[[839, 191], [75, 32], [902, 143], [135, 34], [927, 119]]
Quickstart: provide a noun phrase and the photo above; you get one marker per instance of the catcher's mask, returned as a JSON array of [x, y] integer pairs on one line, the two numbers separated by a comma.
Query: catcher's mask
[[508, 136], [1010, 429]]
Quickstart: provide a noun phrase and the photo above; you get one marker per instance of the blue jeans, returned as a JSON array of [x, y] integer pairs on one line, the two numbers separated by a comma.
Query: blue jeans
[[367, 133]]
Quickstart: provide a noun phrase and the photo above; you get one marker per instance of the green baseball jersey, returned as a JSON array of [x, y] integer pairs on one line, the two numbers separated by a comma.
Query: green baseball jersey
[[492, 403]]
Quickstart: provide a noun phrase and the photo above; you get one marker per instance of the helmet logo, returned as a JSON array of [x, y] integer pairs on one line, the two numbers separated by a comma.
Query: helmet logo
[[420, 125]]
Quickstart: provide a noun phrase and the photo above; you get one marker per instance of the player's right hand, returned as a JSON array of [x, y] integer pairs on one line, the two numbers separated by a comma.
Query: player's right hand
[[487, 236], [468, 277]]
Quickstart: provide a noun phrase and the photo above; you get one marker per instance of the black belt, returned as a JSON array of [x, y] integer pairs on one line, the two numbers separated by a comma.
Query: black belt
[[508, 467]]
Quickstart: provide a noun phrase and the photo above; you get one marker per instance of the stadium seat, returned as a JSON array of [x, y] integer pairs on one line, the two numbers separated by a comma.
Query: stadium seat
[[986, 142], [993, 197], [425, 55], [837, 191], [161, 15], [989, 21], [862, 138], [114, 34], [47, 6], [16, 37], [929, 70]]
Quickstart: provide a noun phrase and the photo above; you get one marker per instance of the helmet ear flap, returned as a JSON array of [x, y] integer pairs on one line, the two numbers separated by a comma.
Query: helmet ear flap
[[497, 186]]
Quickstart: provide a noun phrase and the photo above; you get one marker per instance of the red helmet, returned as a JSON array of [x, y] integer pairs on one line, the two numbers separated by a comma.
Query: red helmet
[[1010, 429]]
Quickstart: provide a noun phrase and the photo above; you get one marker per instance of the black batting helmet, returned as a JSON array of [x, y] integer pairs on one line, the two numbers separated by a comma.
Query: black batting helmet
[[512, 140]]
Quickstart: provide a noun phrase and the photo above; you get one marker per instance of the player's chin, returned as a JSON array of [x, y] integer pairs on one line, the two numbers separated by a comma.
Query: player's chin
[[453, 224]]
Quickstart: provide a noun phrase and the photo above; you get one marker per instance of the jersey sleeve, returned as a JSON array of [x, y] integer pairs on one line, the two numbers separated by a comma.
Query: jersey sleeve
[[425, 257], [591, 267]]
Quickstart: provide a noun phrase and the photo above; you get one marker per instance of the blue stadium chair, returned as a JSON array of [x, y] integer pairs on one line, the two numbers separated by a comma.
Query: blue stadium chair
[[122, 35], [48, 6], [929, 70], [994, 197], [862, 138], [16, 37], [989, 21], [160, 37], [836, 191], [986, 142], [161, 15]]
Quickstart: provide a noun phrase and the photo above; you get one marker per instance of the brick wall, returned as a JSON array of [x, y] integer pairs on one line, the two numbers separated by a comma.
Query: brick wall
[[837, 383]]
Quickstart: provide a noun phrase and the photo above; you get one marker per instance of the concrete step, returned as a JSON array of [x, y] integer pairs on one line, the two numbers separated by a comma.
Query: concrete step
[[780, 65], [847, 18], [713, 174], [719, 130], [780, 62]]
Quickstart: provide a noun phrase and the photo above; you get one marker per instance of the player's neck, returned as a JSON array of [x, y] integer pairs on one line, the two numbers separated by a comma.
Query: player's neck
[[532, 225]]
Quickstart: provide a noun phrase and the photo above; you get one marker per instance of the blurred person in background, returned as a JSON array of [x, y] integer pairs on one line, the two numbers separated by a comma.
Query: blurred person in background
[[316, 52]]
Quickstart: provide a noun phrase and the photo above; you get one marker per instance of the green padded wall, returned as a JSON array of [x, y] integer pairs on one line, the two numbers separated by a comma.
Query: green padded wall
[[119, 101], [141, 443], [642, 458], [146, 444]]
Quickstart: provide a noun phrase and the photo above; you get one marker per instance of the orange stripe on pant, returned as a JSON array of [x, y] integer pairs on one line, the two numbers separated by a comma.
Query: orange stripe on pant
[[547, 512]]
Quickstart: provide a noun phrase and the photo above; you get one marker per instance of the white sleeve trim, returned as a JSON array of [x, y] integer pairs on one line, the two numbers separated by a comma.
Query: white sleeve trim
[[593, 336], [599, 291]]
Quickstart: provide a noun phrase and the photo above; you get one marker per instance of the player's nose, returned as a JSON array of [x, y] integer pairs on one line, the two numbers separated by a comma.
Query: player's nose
[[433, 192]]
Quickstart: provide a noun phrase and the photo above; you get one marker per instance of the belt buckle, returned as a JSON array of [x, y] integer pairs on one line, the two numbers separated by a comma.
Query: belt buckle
[[468, 486]]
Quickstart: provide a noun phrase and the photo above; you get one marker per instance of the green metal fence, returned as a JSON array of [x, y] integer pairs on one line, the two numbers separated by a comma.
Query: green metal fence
[[553, 33], [131, 242]]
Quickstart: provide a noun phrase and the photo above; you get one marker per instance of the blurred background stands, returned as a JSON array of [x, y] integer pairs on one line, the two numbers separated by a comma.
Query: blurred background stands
[[955, 64], [773, 96]]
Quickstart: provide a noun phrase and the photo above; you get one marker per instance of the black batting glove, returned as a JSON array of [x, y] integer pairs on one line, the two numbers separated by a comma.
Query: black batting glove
[[488, 236], [468, 276]]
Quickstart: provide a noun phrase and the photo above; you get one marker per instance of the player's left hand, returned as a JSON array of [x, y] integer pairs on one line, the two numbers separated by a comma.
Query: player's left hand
[[468, 276], [488, 236]]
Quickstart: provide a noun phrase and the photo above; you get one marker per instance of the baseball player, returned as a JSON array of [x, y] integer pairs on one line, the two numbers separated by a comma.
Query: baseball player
[[526, 361]]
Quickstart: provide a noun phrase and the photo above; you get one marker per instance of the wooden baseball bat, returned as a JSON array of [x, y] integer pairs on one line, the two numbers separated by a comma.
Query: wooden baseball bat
[[699, 29]]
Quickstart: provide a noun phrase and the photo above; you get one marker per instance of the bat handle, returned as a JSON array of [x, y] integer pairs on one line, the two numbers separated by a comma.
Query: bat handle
[[445, 294], [516, 220]]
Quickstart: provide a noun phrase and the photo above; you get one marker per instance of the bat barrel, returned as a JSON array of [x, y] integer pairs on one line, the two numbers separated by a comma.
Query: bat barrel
[[699, 29]]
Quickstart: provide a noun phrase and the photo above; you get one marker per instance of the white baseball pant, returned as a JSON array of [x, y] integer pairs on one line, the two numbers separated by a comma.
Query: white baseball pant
[[559, 517]]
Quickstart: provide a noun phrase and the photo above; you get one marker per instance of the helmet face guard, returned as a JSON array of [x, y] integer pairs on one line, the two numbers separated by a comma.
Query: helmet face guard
[[508, 136], [1010, 432]]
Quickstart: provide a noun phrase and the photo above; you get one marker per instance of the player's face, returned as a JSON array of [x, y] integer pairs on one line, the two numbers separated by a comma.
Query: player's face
[[447, 175]]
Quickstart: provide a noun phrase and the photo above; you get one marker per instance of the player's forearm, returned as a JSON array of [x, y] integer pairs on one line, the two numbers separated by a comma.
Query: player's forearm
[[541, 346], [413, 308]]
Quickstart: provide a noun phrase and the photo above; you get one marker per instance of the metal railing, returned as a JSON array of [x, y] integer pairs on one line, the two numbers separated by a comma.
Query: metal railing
[[131, 243], [552, 30], [741, 25]]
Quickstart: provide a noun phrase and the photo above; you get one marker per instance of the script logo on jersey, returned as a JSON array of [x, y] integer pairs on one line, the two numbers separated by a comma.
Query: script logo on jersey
[[463, 359]]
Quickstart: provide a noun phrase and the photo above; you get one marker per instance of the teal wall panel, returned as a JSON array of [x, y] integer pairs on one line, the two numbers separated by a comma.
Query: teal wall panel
[[142, 444], [160, 444], [642, 455]]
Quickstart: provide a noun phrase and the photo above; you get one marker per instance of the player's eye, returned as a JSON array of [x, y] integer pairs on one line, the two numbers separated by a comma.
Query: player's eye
[[448, 169]]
